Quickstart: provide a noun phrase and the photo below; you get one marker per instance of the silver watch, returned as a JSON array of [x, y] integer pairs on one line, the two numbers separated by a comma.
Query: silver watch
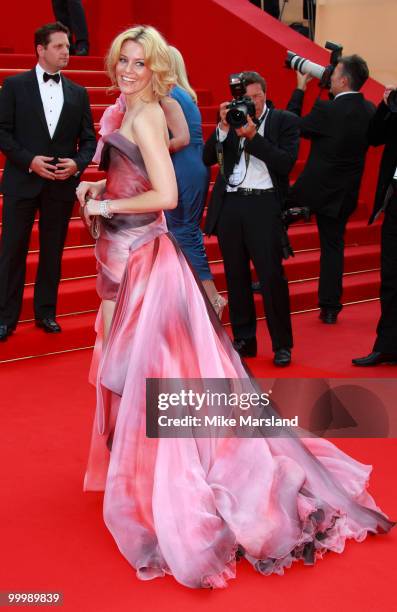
[[104, 209]]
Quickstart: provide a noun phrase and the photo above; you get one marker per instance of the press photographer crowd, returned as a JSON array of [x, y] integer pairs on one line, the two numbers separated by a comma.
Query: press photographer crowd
[[252, 204]]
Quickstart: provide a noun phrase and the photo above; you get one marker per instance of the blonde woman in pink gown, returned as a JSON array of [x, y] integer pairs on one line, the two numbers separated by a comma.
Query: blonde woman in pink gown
[[188, 507]]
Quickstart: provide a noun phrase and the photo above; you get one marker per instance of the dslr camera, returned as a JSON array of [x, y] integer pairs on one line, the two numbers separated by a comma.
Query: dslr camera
[[241, 106], [323, 73]]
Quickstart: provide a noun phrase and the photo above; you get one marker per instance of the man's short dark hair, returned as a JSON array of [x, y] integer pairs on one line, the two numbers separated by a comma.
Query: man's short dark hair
[[355, 69], [43, 34], [251, 77]]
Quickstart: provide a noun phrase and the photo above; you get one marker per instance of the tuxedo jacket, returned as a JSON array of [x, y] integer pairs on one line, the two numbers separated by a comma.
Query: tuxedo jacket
[[383, 130], [338, 130], [278, 148], [24, 134]]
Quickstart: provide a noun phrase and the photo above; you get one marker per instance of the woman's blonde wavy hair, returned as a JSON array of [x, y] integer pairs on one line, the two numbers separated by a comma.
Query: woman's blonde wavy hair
[[180, 72], [156, 55]]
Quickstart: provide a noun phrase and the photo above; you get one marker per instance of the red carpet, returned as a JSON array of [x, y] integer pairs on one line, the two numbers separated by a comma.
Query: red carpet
[[53, 536]]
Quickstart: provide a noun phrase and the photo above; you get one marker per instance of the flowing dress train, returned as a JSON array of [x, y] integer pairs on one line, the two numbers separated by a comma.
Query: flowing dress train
[[189, 506]]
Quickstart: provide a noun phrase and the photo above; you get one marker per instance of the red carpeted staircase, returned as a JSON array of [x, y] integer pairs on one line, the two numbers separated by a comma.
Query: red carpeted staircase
[[78, 301]]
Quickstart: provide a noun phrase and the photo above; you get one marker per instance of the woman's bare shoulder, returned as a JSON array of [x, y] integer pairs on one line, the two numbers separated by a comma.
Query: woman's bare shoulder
[[148, 114], [149, 121]]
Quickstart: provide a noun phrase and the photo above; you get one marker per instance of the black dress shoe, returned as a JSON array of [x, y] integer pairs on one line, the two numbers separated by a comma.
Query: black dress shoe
[[282, 357], [49, 325], [327, 316], [375, 358], [246, 347], [5, 331]]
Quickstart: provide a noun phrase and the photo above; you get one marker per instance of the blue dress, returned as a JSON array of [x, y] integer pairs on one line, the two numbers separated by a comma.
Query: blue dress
[[193, 179]]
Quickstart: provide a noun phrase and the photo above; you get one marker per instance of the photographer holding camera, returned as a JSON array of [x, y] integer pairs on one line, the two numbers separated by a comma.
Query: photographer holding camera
[[383, 131], [256, 148], [330, 181]]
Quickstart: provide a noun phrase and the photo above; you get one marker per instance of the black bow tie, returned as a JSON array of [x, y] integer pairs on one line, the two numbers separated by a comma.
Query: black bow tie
[[54, 77]]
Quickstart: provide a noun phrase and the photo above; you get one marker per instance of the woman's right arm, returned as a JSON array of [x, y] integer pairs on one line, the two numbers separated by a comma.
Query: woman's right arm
[[150, 135]]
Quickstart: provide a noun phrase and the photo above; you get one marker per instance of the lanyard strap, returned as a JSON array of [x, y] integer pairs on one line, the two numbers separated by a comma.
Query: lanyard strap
[[221, 158]]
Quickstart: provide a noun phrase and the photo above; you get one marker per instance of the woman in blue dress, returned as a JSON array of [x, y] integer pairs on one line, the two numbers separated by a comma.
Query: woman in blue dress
[[186, 146]]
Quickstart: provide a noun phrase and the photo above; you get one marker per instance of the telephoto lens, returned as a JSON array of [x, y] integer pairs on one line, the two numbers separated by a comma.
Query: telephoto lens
[[303, 65]]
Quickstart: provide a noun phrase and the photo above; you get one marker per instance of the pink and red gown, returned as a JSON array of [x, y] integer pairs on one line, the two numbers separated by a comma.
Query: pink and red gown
[[188, 507]]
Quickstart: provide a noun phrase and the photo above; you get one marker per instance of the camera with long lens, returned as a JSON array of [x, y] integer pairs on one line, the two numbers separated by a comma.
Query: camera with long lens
[[241, 106], [392, 101], [322, 73]]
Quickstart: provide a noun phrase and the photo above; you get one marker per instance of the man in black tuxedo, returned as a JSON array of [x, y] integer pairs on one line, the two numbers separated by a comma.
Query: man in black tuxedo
[[48, 138], [71, 14], [330, 181], [383, 131], [245, 214]]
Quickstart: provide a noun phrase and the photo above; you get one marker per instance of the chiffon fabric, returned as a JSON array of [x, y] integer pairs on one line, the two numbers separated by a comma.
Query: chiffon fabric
[[189, 507]]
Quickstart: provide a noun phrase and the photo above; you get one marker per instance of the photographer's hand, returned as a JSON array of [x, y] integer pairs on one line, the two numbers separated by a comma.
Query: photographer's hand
[[302, 80], [223, 124], [248, 130], [387, 92]]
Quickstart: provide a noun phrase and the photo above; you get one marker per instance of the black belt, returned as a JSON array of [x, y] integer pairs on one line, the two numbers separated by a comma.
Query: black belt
[[256, 192]]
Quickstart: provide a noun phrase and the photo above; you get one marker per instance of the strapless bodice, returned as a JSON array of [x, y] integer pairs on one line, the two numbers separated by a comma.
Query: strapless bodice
[[126, 178]]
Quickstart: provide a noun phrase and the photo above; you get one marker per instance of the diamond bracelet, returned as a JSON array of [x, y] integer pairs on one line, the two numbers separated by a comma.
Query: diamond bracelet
[[104, 209]]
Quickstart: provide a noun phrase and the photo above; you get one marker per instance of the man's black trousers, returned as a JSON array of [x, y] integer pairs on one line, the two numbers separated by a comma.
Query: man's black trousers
[[250, 228], [386, 341], [71, 14], [18, 219], [331, 233]]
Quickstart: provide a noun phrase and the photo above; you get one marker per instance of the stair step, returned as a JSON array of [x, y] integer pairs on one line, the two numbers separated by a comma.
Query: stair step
[[80, 262], [76, 262], [88, 78], [77, 235], [304, 237], [93, 174], [26, 61], [77, 295], [98, 80], [102, 95], [29, 341], [306, 266], [303, 295]]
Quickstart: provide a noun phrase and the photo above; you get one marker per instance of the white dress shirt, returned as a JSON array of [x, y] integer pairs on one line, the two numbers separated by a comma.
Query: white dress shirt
[[257, 176], [344, 93], [52, 98]]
